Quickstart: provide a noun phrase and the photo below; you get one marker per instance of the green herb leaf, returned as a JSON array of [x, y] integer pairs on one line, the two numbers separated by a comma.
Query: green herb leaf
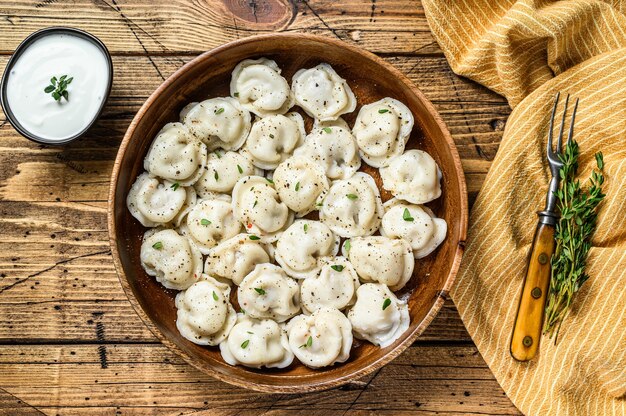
[[63, 78], [255, 202], [347, 246], [219, 156], [337, 267], [271, 136], [383, 111], [216, 176], [306, 227], [56, 96], [386, 303], [259, 291], [327, 130], [308, 342], [205, 222], [254, 237], [49, 89], [351, 196], [269, 180], [53, 80], [245, 343], [219, 110], [406, 215], [57, 88], [297, 186], [215, 296], [236, 94], [239, 169], [175, 186], [157, 246]]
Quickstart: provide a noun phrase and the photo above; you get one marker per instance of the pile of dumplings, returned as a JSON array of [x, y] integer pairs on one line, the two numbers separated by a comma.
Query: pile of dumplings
[[225, 199]]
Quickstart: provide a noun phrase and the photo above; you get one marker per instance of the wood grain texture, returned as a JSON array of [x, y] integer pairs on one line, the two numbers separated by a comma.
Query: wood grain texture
[[53, 220]]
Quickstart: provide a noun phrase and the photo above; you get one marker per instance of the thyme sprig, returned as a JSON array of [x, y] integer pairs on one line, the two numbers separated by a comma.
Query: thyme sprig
[[578, 208], [58, 88]]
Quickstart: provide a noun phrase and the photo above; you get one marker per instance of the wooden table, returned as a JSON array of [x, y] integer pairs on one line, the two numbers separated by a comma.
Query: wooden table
[[71, 343]]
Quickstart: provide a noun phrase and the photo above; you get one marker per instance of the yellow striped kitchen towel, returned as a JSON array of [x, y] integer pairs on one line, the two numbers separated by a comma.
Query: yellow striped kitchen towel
[[527, 51]]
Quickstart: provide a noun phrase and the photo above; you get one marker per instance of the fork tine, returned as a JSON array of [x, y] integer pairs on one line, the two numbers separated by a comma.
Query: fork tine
[[560, 142], [570, 136], [556, 102]]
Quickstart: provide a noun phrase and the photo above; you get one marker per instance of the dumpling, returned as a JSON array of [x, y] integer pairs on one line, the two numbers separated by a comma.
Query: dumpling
[[274, 138], [413, 177], [267, 292], [300, 247], [234, 258], [382, 130], [222, 171], [353, 206], [381, 259], [260, 88], [378, 316], [257, 206], [171, 258], [322, 93], [416, 224], [219, 122], [176, 155], [257, 343], [209, 222], [332, 146], [320, 339], [334, 287], [301, 184], [204, 314], [152, 201]]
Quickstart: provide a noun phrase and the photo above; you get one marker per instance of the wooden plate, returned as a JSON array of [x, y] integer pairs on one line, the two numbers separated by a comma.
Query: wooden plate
[[371, 78]]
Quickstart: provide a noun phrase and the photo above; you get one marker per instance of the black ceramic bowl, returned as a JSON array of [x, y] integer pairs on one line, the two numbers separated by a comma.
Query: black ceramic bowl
[[20, 49]]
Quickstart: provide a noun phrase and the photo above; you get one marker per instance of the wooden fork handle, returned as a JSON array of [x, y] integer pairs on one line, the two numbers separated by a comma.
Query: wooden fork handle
[[530, 312]]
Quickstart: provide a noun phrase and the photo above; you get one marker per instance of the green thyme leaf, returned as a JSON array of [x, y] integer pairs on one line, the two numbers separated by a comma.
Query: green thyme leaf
[[337, 267], [215, 296], [239, 169], [383, 111], [297, 186], [157, 246], [175, 186], [205, 222], [219, 110], [351, 196], [306, 227], [269, 180], [347, 246], [406, 215], [308, 342], [386, 303], [254, 237], [245, 343], [49, 89], [259, 291], [216, 176], [327, 130], [236, 94]]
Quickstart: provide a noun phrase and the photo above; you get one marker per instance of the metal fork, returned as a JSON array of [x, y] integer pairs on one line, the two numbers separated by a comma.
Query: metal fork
[[530, 312]]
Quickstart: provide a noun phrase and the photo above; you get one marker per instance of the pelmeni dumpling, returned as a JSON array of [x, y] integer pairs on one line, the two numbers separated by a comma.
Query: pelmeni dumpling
[[353, 206], [153, 201], [260, 88], [274, 138], [334, 287], [267, 292], [332, 145], [414, 223], [301, 184], [176, 155], [382, 130], [378, 316], [300, 247], [257, 206], [219, 122], [381, 259], [257, 343], [234, 258], [170, 257], [209, 222], [320, 339], [223, 170], [204, 314], [322, 93], [413, 177]]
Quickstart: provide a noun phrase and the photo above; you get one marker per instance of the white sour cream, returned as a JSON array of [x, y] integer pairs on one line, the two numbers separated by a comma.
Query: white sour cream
[[58, 54]]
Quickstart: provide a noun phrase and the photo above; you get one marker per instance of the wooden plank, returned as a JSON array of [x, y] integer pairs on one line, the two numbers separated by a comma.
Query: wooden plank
[[77, 379], [166, 27]]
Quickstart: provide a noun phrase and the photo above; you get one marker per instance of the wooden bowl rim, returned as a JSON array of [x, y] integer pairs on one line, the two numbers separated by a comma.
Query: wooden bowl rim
[[344, 378]]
